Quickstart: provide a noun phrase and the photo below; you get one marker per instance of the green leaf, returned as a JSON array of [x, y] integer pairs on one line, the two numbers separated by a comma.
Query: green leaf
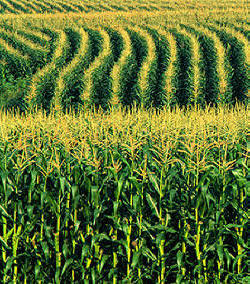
[[57, 276], [136, 257], [153, 180], [147, 252], [220, 252], [4, 212], [237, 259], [67, 263], [37, 271], [136, 183], [4, 243], [45, 248], [179, 258], [95, 195], [62, 184], [74, 191], [65, 249], [9, 264], [152, 205]]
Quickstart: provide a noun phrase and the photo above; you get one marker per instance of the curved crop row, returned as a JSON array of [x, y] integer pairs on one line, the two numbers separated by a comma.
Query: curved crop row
[[67, 7], [239, 27], [116, 41], [17, 63], [80, 7], [37, 37], [243, 40], [238, 55], [8, 7], [195, 85], [139, 53], [72, 77], [52, 6], [33, 7], [197, 96], [170, 74], [206, 63], [185, 73], [19, 6], [213, 42], [68, 84], [147, 74], [186, 64], [36, 53], [45, 8], [43, 82], [97, 85], [121, 67], [156, 82]]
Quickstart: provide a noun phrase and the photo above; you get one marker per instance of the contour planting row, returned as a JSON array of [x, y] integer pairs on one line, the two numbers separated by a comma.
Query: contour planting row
[[86, 6], [32, 44], [63, 6], [238, 57], [182, 65], [34, 6], [36, 53], [44, 81]]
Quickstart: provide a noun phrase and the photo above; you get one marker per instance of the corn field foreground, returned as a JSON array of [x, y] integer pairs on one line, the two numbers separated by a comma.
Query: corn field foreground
[[140, 195], [183, 56]]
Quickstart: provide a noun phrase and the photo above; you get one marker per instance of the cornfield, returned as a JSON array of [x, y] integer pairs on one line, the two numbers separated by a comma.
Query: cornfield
[[167, 57], [123, 141]]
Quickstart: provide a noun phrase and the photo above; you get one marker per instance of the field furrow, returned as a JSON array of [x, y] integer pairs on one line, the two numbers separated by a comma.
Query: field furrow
[[120, 75], [53, 7], [184, 74], [238, 56], [31, 6], [16, 63], [42, 6], [147, 80], [69, 83], [97, 84], [43, 82], [169, 69], [18, 5], [8, 7]]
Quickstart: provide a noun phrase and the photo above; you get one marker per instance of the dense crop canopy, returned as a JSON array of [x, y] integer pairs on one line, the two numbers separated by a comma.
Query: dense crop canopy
[[123, 141], [163, 58]]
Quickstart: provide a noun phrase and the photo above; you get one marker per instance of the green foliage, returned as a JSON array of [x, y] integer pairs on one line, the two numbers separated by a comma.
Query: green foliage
[[101, 91], [12, 90], [156, 96], [69, 217], [185, 74], [36, 57], [222, 69], [237, 59], [74, 84]]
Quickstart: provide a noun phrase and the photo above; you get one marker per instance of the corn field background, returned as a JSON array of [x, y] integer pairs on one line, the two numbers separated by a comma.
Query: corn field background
[[194, 54], [123, 141]]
